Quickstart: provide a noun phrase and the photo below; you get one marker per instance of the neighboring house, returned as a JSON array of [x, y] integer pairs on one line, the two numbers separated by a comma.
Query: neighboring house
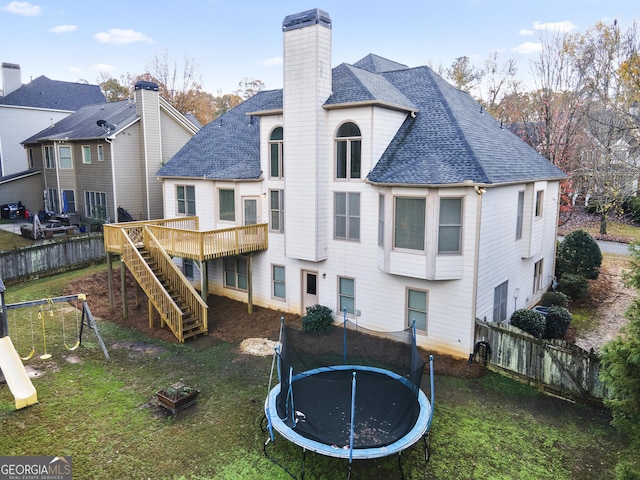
[[105, 156], [388, 194], [25, 110]]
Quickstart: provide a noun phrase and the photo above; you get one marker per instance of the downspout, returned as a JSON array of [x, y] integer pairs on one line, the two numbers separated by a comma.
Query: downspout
[[113, 177], [480, 192]]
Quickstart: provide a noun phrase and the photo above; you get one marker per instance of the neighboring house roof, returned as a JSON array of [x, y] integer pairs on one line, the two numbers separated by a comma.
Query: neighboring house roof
[[82, 125], [43, 92], [227, 148], [449, 140]]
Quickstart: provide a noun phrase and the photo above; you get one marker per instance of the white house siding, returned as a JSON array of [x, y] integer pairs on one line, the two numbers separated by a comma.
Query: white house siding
[[501, 253], [18, 124], [307, 84]]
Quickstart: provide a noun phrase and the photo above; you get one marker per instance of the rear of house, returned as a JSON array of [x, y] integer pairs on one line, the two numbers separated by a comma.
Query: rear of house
[[389, 195]]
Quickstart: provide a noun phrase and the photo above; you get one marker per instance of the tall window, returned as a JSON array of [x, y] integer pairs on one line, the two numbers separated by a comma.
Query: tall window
[[348, 151], [69, 201], [227, 205], [64, 152], [52, 200], [537, 276], [276, 207], [347, 216], [450, 229], [409, 224], [276, 165], [100, 153], [86, 154], [49, 157], [417, 309], [186, 199], [31, 158], [520, 215], [235, 273], [347, 294], [278, 279], [95, 205], [500, 302], [381, 220], [539, 203]]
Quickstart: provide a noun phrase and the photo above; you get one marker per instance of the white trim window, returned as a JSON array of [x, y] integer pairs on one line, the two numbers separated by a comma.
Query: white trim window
[[186, 200], [520, 215], [450, 227], [86, 153], [100, 153], [537, 276], [348, 151], [227, 204], [64, 157], [347, 295], [539, 202], [417, 301], [235, 273], [31, 158], [69, 201], [409, 223], [346, 216], [95, 205], [49, 157], [276, 210], [500, 302], [276, 153], [278, 279], [381, 220]]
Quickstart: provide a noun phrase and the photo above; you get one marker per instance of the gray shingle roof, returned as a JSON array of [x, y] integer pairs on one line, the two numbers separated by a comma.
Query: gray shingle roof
[[54, 94], [82, 125], [227, 148], [449, 140], [377, 64]]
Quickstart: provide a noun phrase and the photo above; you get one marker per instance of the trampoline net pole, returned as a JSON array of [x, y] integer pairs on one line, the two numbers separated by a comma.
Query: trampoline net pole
[[344, 341], [353, 414]]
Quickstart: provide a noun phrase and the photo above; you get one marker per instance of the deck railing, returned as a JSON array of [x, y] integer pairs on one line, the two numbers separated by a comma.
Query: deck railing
[[178, 281], [168, 309], [113, 241]]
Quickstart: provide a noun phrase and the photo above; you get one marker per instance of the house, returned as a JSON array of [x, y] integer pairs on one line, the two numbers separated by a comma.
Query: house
[[106, 155], [389, 195], [24, 110]]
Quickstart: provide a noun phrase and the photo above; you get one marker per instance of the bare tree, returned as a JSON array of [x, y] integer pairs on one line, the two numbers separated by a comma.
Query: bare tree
[[498, 81], [463, 74]]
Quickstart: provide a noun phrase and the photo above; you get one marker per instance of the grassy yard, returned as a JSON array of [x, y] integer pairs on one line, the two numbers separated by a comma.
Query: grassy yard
[[103, 415]]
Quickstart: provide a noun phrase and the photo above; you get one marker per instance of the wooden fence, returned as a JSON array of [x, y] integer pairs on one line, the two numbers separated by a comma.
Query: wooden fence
[[49, 257], [555, 366]]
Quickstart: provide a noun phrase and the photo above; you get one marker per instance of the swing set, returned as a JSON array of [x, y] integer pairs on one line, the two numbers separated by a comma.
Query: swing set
[[46, 312]]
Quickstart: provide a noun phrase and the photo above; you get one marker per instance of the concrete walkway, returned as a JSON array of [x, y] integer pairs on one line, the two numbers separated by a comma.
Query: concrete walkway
[[610, 247]]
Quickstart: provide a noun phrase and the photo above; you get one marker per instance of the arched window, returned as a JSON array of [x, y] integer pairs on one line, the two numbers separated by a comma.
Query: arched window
[[348, 151], [276, 166]]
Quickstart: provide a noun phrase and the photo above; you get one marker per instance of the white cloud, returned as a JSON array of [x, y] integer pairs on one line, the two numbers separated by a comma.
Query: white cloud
[[119, 36], [528, 47], [272, 62], [526, 33], [103, 67], [75, 70], [63, 28], [23, 8], [565, 26]]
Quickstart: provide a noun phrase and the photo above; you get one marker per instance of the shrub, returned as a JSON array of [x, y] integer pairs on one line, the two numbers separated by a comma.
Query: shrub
[[554, 298], [579, 254], [318, 320], [557, 322], [529, 321], [575, 286]]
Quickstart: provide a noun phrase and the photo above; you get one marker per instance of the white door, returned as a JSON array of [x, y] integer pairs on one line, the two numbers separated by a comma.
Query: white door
[[250, 209], [309, 289]]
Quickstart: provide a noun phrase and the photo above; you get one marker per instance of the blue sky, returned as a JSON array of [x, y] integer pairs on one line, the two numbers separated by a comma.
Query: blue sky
[[230, 40]]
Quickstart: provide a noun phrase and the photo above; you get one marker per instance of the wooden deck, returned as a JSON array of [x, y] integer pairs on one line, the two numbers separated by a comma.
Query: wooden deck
[[181, 238]]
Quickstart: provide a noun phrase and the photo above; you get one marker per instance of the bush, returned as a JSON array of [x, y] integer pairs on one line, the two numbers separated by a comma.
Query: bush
[[575, 286], [318, 320], [554, 298], [557, 322], [529, 321], [579, 254]]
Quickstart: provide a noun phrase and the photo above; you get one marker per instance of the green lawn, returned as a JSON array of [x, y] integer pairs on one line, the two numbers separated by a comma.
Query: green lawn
[[103, 415]]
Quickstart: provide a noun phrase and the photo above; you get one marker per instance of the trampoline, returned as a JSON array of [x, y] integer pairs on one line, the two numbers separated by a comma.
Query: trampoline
[[348, 410]]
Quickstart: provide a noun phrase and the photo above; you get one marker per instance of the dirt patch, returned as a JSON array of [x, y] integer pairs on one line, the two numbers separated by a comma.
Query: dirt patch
[[229, 321]]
